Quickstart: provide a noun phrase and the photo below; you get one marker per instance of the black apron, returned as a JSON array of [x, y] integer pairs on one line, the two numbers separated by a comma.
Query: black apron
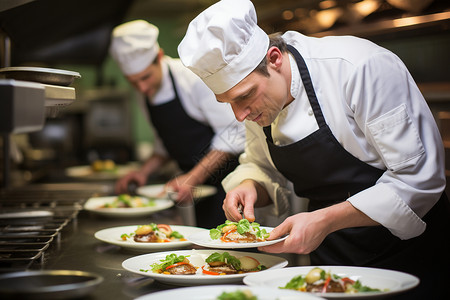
[[187, 141], [323, 171]]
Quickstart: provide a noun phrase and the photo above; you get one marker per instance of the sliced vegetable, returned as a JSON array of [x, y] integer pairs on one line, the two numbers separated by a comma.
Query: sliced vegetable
[[176, 265], [209, 272]]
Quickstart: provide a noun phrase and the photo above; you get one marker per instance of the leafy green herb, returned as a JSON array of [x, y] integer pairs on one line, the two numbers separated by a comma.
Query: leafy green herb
[[242, 227], [296, 283], [176, 234], [237, 295], [226, 258]]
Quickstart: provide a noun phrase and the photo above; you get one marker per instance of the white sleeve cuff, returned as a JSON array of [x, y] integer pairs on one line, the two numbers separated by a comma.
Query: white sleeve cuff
[[382, 204]]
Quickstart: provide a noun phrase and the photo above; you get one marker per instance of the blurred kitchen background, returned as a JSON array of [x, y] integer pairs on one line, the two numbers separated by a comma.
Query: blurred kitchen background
[[105, 122]]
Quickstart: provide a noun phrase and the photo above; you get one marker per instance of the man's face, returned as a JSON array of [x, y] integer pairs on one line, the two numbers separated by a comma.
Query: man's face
[[148, 81], [258, 98]]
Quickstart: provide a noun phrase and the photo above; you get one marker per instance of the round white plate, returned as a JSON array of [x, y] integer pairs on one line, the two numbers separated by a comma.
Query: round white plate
[[203, 239], [86, 172], [112, 236], [157, 191], [94, 205], [394, 281], [211, 292], [197, 258]]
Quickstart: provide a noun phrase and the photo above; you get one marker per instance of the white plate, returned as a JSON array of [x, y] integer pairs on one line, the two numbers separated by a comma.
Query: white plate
[[394, 281], [112, 236], [197, 258], [86, 172], [157, 191], [203, 239], [211, 292], [94, 205]]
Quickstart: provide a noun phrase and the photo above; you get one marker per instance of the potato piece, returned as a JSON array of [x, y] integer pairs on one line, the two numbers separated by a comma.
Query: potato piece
[[248, 263], [143, 230], [313, 275]]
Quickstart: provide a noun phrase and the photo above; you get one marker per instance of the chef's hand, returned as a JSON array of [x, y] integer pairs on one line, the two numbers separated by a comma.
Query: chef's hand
[[121, 185], [306, 232], [244, 195], [183, 186]]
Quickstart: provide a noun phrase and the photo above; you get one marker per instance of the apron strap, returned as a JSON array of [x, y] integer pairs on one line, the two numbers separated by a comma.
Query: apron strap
[[307, 83]]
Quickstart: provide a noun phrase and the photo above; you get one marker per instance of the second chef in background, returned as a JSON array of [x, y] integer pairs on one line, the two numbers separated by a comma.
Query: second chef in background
[[190, 126]]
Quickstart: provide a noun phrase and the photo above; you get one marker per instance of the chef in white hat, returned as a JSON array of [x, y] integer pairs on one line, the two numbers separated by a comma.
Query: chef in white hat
[[193, 129], [342, 120]]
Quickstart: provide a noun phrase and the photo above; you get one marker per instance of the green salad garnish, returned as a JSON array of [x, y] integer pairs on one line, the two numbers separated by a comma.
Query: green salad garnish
[[170, 260], [242, 227]]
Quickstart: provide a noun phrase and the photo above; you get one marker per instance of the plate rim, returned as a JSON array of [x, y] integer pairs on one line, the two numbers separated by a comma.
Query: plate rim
[[141, 188]]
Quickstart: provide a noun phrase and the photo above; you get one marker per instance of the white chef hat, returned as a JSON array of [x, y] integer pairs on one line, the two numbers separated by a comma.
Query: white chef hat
[[224, 44], [134, 46]]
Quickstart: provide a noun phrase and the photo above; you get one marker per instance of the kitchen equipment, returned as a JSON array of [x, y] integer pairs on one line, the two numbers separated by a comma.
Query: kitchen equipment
[[49, 284], [41, 75]]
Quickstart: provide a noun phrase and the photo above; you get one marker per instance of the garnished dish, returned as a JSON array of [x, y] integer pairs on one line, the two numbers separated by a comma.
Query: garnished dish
[[175, 265], [320, 281], [140, 238], [215, 264], [335, 282], [211, 267], [153, 233], [228, 292], [125, 205], [239, 232], [127, 201]]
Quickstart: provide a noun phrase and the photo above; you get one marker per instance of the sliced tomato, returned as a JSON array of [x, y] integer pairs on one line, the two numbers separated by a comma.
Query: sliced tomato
[[164, 228], [177, 264], [225, 234], [209, 272]]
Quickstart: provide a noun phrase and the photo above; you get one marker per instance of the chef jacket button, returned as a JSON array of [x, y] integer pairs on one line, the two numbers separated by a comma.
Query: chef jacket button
[[310, 112], [277, 143]]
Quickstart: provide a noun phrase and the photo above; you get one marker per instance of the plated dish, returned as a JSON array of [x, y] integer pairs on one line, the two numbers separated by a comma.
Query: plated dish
[[97, 205], [157, 191], [226, 236], [114, 236], [387, 281], [142, 265], [100, 170], [213, 292]]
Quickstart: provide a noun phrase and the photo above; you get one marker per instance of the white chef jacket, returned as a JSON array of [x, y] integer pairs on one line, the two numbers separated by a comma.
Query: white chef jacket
[[376, 112], [200, 104]]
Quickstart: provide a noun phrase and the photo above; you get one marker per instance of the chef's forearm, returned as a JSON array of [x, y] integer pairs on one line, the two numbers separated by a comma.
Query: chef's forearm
[[344, 215], [209, 164], [155, 162]]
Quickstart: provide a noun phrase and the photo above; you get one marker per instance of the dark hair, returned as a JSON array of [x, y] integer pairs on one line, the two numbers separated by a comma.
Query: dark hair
[[275, 40]]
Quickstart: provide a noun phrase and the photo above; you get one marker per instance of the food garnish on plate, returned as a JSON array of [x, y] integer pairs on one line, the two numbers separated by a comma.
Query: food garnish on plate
[[224, 263], [154, 233], [175, 265], [128, 201], [106, 165], [239, 232], [237, 295], [317, 280]]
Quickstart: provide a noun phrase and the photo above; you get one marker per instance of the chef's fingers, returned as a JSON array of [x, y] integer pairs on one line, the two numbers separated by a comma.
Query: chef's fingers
[[281, 230], [249, 213]]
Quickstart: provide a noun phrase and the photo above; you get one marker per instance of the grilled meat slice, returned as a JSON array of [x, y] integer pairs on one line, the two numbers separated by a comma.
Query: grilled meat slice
[[151, 237], [187, 269], [241, 238], [226, 269]]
